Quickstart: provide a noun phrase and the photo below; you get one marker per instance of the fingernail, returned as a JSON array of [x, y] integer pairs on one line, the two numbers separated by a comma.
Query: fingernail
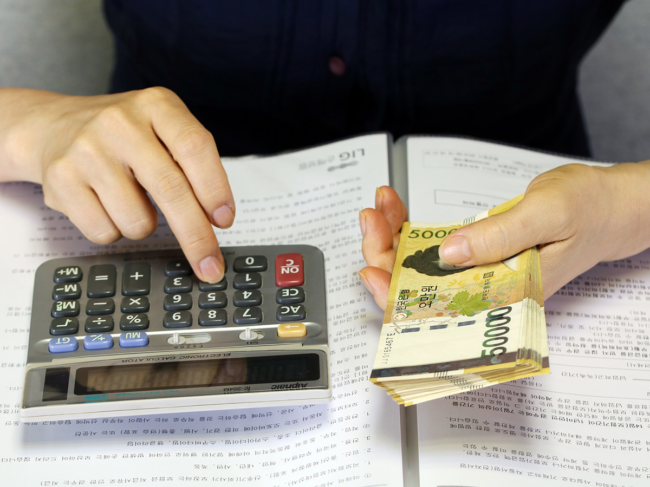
[[364, 279], [362, 223], [455, 250], [211, 269], [379, 199], [224, 216]]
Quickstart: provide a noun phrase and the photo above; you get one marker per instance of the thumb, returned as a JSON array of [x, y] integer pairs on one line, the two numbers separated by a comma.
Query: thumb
[[501, 236]]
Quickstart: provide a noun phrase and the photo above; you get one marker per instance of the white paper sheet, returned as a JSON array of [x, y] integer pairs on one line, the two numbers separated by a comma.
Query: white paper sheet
[[588, 423], [313, 197]]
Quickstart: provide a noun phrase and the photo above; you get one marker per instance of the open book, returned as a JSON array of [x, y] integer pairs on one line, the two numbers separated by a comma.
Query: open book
[[587, 423]]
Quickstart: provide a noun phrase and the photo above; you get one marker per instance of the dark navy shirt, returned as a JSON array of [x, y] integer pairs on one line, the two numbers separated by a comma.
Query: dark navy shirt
[[270, 75]]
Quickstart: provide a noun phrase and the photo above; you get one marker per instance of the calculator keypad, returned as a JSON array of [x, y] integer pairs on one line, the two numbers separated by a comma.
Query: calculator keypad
[[167, 294]]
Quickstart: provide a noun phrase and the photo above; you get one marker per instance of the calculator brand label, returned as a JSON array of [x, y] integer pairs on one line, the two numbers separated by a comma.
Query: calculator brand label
[[297, 385]]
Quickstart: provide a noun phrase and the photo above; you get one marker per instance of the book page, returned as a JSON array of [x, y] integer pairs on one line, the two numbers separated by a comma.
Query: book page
[[587, 423], [312, 196]]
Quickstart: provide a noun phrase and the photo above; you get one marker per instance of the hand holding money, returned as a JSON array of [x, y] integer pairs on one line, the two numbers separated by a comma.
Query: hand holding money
[[578, 215], [450, 329]]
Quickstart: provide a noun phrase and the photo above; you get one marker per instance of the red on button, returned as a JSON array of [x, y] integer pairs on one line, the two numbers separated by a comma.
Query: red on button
[[289, 270]]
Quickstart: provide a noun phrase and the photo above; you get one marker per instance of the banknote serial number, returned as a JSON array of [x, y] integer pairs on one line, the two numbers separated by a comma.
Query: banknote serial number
[[496, 331]]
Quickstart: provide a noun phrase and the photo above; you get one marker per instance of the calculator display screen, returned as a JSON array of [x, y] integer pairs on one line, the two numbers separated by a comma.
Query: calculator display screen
[[197, 373]]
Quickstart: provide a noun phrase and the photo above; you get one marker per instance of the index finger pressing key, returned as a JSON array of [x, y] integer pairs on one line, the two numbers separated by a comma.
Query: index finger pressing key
[[173, 193]]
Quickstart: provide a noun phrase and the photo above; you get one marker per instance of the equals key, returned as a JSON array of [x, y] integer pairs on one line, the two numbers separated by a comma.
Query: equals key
[[101, 281]]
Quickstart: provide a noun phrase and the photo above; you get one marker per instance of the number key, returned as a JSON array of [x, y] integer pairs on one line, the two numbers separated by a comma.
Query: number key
[[247, 298], [178, 302], [247, 316], [250, 263], [250, 280], [177, 319], [213, 317], [181, 284], [213, 300]]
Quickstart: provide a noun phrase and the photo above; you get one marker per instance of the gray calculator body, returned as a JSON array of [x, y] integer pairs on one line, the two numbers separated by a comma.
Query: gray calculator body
[[280, 359]]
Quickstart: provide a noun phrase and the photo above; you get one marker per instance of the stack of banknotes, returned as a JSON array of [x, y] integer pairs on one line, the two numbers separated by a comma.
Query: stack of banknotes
[[449, 330]]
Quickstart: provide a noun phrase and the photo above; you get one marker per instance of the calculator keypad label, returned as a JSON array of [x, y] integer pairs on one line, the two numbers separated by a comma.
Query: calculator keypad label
[[63, 345], [134, 339], [289, 270]]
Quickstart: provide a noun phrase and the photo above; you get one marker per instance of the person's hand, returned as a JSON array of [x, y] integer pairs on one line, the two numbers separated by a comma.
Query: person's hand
[[579, 215], [97, 158]]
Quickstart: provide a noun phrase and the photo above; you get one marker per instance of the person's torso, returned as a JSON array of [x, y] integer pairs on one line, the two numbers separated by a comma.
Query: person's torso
[[266, 76]]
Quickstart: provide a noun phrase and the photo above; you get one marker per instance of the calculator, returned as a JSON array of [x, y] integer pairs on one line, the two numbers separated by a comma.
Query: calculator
[[139, 333]]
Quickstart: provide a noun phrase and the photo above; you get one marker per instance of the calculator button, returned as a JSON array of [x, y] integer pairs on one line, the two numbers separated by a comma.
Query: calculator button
[[247, 316], [62, 309], [96, 307], [213, 300], [292, 330], [247, 298], [289, 270], [101, 341], [290, 295], [216, 286], [291, 312], [178, 302], [63, 344], [249, 280], [177, 319], [182, 284], [136, 279], [100, 324], [101, 281], [64, 326], [68, 274], [251, 263], [176, 268], [213, 317], [134, 322], [66, 291], [134, 339], [134, 304]]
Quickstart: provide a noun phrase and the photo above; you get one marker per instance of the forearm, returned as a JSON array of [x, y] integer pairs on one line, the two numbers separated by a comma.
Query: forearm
[[27, 116]]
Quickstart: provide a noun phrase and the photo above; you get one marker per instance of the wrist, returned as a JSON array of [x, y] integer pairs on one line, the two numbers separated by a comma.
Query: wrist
[[25, 125], [629, 215]]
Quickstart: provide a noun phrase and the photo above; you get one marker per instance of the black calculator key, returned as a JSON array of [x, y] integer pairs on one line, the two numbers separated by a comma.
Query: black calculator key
[[66, 291], [62, 309], [177, 268], [136, 279], [64, 326], [178, 302], [213, 317], [250, 263], [177, 319], [249, 280], [290, 295], [104, 306], [101, 281], [291, 312], [213, 300], [99, 324], [68, 274], [135, 304], [247, 298], [216, 286], [132, 322], [247, 316], [182, 284]]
